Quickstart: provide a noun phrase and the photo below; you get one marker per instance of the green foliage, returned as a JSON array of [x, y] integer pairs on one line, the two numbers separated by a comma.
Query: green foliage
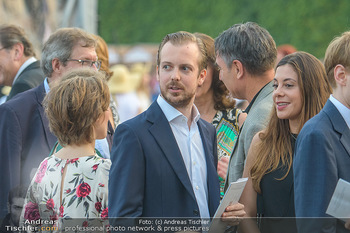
[[308, 25]]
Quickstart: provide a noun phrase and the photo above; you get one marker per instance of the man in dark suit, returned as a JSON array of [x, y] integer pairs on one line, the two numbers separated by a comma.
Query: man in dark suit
[[25, 136], [164, 160], [322, 151], [19, 67]]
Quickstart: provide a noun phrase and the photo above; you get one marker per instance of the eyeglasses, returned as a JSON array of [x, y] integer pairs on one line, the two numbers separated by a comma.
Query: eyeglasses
[[97, 64]]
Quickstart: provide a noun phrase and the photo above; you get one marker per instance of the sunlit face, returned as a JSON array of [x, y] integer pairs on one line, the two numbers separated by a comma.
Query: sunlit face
[[227, 76], [7, 66], [80, 53], [287, 95], [178, 73], [205, 87], [101, 125]]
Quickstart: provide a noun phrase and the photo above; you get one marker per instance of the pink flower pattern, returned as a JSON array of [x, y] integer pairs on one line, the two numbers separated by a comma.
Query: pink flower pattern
[[50, 204], [83, 195], [31, 211], [41, 173]]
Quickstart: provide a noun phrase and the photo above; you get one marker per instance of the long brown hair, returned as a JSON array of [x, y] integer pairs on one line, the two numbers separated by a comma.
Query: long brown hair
[[222, 98], [275, 146]]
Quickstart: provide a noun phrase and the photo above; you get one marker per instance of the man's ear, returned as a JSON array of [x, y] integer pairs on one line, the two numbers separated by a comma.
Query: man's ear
[[19, 51], [56, 65], [238, 68], [202, 76], [340, 74]]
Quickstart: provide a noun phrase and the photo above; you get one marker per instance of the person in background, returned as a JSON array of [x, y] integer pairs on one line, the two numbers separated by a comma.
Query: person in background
[[142, 71], [24, 130], [19, 68], [322, 151], [123, 85], [73, 182], [301, 89], [105, 145], [284, 50], [15, 205], [246, 55], [217, 107]]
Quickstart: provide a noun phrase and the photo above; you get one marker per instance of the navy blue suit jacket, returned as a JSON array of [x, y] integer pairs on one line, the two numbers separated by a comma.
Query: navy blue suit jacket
[[148, 177], [25, 140], [322, 156]]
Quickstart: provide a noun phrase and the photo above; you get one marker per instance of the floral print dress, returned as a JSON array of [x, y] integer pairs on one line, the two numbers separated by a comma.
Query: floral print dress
[[84, 195], [227, 130]]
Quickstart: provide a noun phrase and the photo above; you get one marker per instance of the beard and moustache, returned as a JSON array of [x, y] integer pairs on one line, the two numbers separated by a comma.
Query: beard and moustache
[[177, 100]]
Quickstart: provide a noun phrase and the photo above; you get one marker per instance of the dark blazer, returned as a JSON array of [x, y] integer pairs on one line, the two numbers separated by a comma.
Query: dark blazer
[[322, 156], [25, 140], [29, 78], [148, 177]]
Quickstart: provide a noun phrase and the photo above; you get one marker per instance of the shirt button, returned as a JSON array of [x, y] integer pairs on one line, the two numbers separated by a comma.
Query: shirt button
[[197, 187], [196, 212], [194, 163]]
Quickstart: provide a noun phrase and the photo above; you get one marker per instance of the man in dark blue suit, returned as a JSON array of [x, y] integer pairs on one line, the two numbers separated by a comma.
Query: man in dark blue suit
[[322, 151], [24, 131], [18, 66], [164, 160]]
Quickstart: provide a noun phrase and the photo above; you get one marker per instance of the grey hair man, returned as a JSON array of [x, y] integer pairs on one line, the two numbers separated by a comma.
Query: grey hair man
[[19, 68], [24, 130], [246, 55]]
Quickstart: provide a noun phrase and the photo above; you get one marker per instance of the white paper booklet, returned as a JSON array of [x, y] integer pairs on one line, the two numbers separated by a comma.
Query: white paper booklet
[[231, 196], [339, 206]]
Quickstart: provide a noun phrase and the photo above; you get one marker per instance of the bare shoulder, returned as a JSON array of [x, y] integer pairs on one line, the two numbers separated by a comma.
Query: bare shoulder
[[256, 140]]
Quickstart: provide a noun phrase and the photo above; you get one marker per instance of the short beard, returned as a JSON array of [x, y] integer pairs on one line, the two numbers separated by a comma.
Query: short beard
[[183, 102]]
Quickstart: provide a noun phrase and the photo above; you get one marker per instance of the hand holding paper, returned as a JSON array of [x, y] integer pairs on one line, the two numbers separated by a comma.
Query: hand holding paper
[[229, 208]]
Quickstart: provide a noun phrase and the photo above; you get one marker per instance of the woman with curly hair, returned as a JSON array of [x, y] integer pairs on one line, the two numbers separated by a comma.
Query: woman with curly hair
[[73, 182]]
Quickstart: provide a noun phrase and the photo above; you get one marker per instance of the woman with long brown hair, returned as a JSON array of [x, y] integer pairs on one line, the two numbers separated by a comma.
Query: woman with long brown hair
[[301, 89]]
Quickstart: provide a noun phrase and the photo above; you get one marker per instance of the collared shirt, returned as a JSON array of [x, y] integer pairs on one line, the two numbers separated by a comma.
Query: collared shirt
[[253, 100], [23, 66], [191, 147], [344, 111], [100, 144]]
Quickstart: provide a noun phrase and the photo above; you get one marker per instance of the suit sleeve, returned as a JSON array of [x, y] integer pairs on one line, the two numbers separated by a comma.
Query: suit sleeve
[[127, 174], [315, 178], [10, 154]]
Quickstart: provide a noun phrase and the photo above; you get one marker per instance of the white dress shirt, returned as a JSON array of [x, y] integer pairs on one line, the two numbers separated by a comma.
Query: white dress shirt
[[191, 147]]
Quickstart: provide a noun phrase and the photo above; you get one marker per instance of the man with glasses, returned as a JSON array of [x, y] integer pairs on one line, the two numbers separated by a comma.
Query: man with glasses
[[18, 66], [24, 131]]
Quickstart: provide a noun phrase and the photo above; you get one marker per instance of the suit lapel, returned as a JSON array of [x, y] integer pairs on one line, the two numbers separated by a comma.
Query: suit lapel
[[165, 138], [211, 171], [50, 138], [339, 124], [345, 139]]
